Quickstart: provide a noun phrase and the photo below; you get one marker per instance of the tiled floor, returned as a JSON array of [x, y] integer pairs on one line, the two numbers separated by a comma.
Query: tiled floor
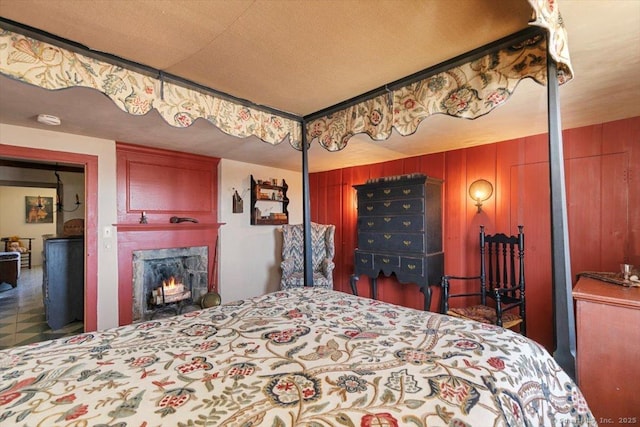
[[22, 319]]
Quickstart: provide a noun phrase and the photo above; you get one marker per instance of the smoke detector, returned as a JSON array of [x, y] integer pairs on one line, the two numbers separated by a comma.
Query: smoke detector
[[48, 119]]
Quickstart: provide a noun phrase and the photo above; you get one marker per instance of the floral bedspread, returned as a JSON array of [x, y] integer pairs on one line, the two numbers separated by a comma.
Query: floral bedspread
[[304, 357]]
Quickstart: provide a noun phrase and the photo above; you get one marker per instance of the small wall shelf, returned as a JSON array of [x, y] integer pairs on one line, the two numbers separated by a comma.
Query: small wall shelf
[[269, 202]]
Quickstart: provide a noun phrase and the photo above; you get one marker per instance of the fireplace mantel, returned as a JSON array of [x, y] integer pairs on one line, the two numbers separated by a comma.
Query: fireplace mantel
[[160, 184], [168, 227]]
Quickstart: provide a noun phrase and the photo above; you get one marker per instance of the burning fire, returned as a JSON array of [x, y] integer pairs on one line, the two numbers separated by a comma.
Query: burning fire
[[170, 291], [171, 287]]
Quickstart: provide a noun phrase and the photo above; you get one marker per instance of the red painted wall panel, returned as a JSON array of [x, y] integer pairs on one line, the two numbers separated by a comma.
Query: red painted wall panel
[[602, 173], [624, 136], [344, 252], [530, 187], [165, 184], [160, 188]]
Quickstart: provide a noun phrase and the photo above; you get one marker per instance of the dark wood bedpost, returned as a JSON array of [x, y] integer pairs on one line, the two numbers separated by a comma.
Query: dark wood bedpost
[[563, 315], [306, 208]]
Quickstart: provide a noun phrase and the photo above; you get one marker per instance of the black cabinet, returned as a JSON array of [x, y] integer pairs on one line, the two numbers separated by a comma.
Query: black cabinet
[[63, 280], [269, 202], [400, 231]]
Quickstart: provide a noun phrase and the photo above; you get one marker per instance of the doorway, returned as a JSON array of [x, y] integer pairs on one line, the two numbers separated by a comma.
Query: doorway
[[90, 165], [35, 209]]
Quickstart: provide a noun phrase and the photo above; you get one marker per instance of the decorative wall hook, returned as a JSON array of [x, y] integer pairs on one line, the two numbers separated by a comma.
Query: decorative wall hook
[[237, 202]]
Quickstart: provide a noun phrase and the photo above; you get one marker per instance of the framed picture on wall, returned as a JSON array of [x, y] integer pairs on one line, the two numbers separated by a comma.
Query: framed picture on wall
[[38, 210]]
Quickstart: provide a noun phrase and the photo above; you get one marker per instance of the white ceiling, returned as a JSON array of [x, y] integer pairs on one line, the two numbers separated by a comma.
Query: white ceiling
[[303, 56]]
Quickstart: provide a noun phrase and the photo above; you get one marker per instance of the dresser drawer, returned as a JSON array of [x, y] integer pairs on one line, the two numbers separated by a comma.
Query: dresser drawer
[[412, 265], [407, 223], [363, 261], [392, 242], [385, 192], [386, 261], [390, 207]]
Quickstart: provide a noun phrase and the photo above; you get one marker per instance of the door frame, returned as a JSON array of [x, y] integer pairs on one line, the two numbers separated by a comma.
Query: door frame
[[90, 164]]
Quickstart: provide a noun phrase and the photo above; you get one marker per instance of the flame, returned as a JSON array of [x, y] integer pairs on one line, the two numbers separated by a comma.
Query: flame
[[171, 286], [168, 285], [171, 291]]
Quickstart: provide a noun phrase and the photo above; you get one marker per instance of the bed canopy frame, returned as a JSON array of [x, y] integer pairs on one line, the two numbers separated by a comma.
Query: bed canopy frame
[[468, 86]]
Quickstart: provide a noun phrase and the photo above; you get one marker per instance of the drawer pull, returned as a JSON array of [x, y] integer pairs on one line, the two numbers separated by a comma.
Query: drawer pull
[[364, 260], [386, 260], [369, 208], [387, 236], [387, 190], [411, 266], [407, 206], [406, 223], [370, 223], [369, 241], [387, 204], [407, 242], [369, 195], [387, 219], [407, 191]]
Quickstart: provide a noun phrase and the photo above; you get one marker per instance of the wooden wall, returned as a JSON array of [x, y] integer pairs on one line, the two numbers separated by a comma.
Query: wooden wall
[[602, 170]]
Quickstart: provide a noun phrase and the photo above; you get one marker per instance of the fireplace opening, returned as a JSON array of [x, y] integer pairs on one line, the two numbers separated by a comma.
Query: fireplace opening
[[170, 295], [168, 281], [170, 292]]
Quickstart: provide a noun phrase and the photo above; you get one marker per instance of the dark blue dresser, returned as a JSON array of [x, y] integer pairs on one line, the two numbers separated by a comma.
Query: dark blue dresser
[[400, 231], [63, 280]]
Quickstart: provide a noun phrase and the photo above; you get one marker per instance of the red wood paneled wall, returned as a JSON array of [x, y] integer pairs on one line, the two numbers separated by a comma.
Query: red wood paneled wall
[[162, 184], [602, 170]]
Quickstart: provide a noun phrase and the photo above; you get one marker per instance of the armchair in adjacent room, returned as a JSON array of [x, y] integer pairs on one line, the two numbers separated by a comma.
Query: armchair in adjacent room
[[21, 245], [322, 248], [500, 294]]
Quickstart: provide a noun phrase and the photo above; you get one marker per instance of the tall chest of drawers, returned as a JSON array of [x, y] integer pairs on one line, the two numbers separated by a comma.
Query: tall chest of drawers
[[400, 232]]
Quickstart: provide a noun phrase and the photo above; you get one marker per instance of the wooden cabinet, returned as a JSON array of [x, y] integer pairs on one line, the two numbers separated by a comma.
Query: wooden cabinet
[[400, 231], [608, 347], [63, 280], [269, 202]]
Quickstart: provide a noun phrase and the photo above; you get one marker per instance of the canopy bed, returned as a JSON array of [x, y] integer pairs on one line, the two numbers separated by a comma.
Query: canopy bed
[[467, 86]]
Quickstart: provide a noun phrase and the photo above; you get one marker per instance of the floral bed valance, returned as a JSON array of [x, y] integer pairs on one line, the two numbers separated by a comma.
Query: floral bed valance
[[52, 67], [469, 90]]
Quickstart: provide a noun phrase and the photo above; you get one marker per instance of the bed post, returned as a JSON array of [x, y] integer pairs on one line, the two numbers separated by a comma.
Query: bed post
[[563, 315], [306, 208]]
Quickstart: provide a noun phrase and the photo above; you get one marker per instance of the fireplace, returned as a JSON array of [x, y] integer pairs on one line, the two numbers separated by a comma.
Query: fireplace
[[168, 280]]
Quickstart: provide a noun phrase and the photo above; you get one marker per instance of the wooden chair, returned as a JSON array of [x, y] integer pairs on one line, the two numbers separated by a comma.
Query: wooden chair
[[501, 281]]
